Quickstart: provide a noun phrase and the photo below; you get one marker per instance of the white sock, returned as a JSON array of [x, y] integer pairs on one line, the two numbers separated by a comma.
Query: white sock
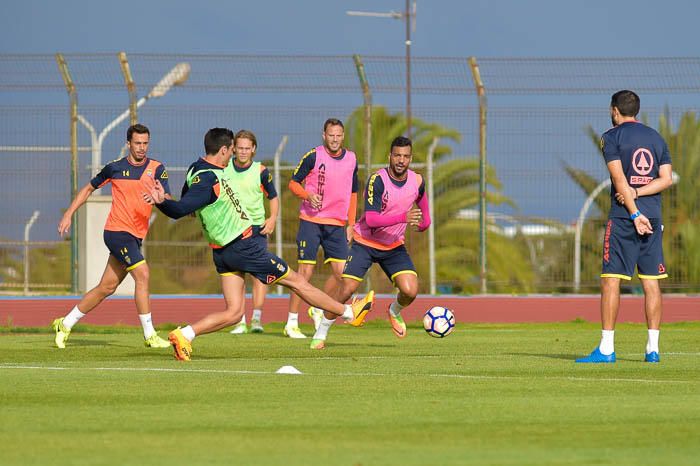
[[395, 308], [292, 319], [242, 321], [72, 318], [257, 314], [607, 342], [323, 328], [653, 341], [347, 314], [188, 332], [147, 324]]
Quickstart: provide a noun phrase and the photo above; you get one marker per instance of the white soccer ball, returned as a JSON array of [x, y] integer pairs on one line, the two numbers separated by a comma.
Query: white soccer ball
[[439, 322]]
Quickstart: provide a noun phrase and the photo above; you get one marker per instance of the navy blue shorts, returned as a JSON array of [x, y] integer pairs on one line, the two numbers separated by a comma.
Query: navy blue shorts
[[623, 249], [393, 262], [312, 235], [250, 255], [125, 247]]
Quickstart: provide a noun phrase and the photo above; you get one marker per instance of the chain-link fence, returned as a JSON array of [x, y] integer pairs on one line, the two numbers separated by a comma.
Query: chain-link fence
[[542, 159]]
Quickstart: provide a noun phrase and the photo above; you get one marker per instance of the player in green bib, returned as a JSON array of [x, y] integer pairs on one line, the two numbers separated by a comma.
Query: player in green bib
[[211, 191], [254, 183]]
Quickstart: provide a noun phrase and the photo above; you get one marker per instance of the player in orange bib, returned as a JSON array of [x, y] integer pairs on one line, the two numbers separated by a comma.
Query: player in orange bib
[[126, 226]]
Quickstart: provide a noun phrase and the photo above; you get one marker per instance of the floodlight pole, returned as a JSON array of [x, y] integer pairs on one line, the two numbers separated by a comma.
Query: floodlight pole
[[175, 77], [409, 17]]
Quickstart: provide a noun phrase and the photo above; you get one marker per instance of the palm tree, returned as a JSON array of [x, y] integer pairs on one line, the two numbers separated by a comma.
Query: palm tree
[[456, 187]]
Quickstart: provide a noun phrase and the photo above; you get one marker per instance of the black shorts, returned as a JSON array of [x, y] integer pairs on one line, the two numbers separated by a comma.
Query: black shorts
[[393, 262], [125, 247], [312, 235], [624, 248], [250, 255]]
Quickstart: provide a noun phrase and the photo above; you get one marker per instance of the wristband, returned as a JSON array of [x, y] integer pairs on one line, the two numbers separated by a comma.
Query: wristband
[[635, 215]]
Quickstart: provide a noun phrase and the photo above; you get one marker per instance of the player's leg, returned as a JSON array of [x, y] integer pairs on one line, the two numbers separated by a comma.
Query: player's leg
[[308, 241], [233, 287], [241, 327], [652, 269], [335, 249], [112, 276], [326, 319], [398, 266], [259, 294], [620, 253], [356, 266]]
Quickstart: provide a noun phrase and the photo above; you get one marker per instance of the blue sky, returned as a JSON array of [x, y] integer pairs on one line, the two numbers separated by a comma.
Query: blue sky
[[445, 28], [495, 28]]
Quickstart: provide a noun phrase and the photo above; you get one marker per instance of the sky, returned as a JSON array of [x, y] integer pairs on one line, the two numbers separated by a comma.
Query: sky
[[444, 28], [492, 28]]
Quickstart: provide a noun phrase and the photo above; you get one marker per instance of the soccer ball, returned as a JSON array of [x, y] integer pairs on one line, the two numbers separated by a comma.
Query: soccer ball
[[439, 322]]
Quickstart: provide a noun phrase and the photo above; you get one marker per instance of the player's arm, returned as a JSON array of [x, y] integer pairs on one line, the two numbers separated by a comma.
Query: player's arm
[[619, 180], [162, 176], [423, 206], [268, 188], [664, 181], [80, 199], [202, 192], [306, 164], [101, 179]]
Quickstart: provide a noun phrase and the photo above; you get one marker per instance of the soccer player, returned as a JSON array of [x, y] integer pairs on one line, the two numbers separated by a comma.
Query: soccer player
[[211, 193], [126, 226], [253, 181], [329, 194], [640, 168], [379, 236]]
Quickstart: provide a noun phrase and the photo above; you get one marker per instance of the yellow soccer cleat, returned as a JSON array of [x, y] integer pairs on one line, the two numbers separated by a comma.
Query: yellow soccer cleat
[[360, 308], [62, 333], [154, 341], [182, 346]]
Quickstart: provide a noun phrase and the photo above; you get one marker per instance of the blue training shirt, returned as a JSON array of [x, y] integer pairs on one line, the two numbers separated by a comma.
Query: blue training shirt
[[642, 151]]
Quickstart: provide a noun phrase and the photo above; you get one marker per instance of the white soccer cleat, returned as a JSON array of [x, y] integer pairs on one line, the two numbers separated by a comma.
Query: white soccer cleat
[[293, 332], [316, 315], [239, 329]]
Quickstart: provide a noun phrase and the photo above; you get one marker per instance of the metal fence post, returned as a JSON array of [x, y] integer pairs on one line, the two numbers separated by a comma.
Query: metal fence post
[[481, 93], [278, 187], [73, 95], [431, 228], [130, 86], [27, 227]]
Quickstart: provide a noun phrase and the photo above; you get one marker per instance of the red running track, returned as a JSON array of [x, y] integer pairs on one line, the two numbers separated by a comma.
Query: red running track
[[40, 311]]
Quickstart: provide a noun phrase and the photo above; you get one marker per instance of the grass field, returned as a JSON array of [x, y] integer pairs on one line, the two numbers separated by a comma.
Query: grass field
[[487, 394]]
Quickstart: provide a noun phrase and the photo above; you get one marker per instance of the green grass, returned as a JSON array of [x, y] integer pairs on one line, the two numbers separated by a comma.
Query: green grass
[[488, 394]]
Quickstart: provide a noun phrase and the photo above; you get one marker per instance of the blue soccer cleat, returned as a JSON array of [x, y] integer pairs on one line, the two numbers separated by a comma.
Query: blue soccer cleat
[[651, 357], [597, 357]]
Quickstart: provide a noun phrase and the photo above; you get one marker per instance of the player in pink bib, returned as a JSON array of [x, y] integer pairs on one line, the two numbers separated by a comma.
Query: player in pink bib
[[329, 200], [379, 236]]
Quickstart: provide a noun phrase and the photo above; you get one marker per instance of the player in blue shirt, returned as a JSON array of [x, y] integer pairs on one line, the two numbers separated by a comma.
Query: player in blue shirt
[[639, 163]]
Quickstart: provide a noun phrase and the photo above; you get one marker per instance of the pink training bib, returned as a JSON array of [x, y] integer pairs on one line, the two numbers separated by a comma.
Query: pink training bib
[[332, 179], [396, 200]]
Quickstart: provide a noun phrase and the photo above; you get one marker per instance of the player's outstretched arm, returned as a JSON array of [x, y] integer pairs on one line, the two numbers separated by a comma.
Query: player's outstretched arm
[[80, 199]]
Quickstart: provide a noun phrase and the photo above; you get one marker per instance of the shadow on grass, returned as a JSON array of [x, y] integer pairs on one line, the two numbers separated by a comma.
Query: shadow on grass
[[569, 357]]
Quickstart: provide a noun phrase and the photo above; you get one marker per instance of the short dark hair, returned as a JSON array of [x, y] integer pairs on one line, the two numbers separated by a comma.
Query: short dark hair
[[627, 102], [216, 138], [332, 122], [137, 128], [401, 141]]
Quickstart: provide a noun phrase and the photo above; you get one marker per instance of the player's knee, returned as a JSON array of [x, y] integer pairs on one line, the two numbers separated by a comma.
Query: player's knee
[[107, 288], [141, 274]]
